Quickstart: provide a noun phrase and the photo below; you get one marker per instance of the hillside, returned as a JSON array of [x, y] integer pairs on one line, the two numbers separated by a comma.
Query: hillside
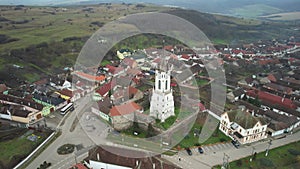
[[39, 41], [230, 30]]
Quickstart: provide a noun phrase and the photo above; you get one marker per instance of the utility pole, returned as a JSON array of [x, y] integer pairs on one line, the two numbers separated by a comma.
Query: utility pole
[[252, 154], [225, 162], [267, 151]]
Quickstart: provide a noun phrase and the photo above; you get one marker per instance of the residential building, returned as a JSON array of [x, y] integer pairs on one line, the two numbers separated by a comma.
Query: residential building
[[241, 126], [111, 158], [122, 116]]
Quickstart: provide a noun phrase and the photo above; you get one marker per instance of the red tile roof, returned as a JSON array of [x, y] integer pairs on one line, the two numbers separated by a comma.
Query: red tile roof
[[124, 109], [129, 62], [103, 90], [78, 166], [169, 48], [90, 77], [66, 92], [272, 99], [185, 56]]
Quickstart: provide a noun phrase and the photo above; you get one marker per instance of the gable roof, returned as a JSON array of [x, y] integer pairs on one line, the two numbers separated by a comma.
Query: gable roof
[[21, 101], [271, 98], [89, 77], [128, 61], [110, 155], [124, 109], [278, 87], [243, 118], [104, 89]]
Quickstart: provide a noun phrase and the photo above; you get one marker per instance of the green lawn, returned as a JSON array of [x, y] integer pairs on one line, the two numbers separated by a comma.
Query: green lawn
[[200, 82], [105, 62], [19, 147], [190, 140], [285, 157]]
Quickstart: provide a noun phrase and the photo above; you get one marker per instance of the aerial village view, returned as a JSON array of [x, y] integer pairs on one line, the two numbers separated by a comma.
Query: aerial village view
[[77, 92]]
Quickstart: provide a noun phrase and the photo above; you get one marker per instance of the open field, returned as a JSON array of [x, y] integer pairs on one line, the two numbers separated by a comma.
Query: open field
[[289, 16], [18, 146], [46, 24], [253, 11], [45, 40], [287, 157]]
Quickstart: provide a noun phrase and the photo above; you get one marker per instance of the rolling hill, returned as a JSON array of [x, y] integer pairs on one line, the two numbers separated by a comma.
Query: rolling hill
[[40, 41]]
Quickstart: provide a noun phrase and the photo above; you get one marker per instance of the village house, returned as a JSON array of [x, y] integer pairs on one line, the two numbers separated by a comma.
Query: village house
[[107, 157], [236, 95], [278, 88], [51, 102], [271, 101], [21, 110], [123, 53], [122, 116], [89, 80], [241, 126], [279, 123], [102, 108]]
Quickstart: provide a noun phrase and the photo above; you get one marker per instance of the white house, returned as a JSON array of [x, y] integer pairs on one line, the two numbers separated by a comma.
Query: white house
[[241, 126]]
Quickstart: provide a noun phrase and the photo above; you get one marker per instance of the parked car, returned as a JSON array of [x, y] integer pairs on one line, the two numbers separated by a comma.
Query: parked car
[[235, 144], [200, 150], [189, 151]]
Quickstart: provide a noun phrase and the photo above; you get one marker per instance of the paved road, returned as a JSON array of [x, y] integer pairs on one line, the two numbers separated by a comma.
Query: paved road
[[213, 155], [77, 137]]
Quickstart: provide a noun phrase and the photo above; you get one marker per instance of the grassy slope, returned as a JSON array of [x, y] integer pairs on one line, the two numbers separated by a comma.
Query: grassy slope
[[48, 27], [287, 156], [255, 10], [51, 28]]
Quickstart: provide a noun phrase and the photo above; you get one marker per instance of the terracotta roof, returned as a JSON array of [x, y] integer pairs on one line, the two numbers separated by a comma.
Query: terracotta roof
[[133, 72], [90, 77], [272, 99], [185, 56], [169, 48], [78, 166], [103, 90], [124, 109], [128, 61]]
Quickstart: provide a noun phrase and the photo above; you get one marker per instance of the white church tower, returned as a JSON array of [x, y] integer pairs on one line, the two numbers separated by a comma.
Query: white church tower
[[162, 101]]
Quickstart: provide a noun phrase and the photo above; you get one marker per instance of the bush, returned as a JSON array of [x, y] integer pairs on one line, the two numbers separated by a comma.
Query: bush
[[266, 162], [294, 152], [239, 163], [222, 139], [66, 149]]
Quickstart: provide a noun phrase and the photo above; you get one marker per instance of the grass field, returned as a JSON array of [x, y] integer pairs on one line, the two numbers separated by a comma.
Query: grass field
[[253, 11], [191, 140], [46, 24], [18, 148], [289, 16], [285, 157]]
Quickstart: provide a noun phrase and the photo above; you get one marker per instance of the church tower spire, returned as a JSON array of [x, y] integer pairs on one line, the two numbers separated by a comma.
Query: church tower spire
[[162, 101]]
